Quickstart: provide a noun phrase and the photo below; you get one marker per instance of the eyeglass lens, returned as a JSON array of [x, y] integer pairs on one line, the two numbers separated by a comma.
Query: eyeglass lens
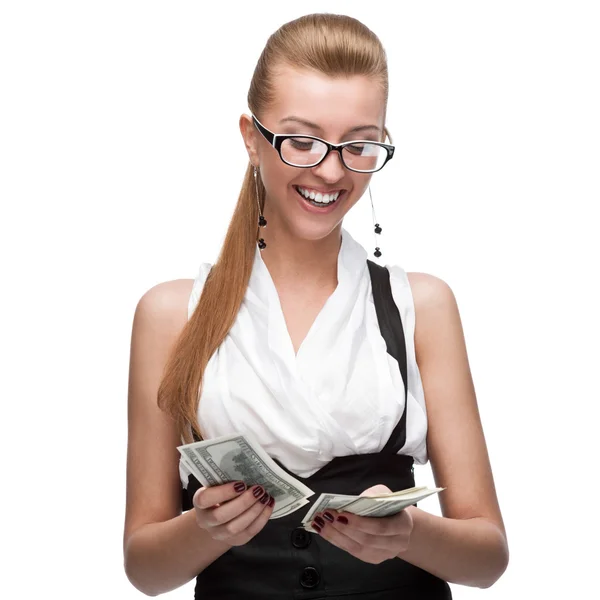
[[305, 152]]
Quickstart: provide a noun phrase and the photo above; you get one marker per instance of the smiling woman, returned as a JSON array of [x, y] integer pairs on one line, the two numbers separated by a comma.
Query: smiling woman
[[248, 346], [324, 133]]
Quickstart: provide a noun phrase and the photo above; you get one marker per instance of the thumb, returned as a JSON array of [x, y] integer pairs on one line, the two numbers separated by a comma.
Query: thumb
[[376, 490], [196, 495]]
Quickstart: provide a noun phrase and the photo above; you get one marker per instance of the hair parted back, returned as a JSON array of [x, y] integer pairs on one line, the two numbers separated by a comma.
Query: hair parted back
[[336, 46]]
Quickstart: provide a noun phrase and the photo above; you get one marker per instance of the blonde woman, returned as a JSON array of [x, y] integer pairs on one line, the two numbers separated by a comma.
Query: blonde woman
[[345, 371]]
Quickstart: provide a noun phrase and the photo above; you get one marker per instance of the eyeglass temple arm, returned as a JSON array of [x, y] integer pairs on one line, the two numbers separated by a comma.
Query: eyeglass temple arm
[[263, 131], [386, 131]]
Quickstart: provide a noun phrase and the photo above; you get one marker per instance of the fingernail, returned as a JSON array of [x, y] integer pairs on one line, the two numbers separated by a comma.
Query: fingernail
[[240, 486], [342, 520], [319, 522], [329, 516], [264, 498], [316, 527], [258, 491], [272, 501]]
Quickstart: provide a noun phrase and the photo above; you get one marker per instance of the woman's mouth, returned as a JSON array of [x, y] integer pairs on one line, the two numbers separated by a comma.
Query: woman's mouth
[[322, 202]]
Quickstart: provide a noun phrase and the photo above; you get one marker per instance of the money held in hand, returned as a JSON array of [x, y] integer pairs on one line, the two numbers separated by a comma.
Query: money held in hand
[[239, 457], [382, 505]]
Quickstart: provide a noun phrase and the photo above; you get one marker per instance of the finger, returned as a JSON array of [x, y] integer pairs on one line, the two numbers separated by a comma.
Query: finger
[[214, 517], [341, 539], [207, 497], [380, 526], [356, 542], [376, 490], [249, 523], [257, 525]]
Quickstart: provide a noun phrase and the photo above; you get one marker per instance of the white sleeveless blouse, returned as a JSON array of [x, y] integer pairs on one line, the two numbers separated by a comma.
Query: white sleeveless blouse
[[341, 394]]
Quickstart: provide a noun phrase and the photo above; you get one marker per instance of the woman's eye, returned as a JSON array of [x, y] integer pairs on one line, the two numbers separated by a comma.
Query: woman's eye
[[300, 145], [356, 148]]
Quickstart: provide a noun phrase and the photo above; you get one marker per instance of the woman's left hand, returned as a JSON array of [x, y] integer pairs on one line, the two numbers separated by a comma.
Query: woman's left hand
[[371, 539]]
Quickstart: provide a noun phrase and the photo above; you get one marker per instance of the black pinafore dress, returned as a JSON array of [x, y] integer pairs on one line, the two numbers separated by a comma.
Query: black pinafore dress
[[285, 561]]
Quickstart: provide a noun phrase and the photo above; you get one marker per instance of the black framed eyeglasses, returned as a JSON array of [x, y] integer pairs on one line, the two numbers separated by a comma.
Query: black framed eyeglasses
[[305, 151]]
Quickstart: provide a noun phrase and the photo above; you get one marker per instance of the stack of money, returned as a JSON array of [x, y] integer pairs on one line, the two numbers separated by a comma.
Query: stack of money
[[381, 505], [239, 457]]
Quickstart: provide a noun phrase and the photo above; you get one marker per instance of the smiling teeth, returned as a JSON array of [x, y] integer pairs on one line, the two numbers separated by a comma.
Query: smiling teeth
[[317, 196]]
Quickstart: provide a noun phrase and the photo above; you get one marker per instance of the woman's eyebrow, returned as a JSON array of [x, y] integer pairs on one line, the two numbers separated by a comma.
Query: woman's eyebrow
[[315, 126]]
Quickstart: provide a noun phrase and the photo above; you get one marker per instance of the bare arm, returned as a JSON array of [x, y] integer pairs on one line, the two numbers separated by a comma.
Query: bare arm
[[160, 557], [470, 552], [163, 549], [468, 545]]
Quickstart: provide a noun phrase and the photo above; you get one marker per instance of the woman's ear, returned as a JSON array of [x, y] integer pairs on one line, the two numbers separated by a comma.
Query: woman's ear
[[250, 138]]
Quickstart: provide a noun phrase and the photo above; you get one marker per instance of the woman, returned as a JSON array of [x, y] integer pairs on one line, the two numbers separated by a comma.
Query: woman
[[326, 357]]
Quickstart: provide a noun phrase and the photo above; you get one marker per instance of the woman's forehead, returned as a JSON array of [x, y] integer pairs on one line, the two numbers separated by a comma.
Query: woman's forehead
[[334, 104]]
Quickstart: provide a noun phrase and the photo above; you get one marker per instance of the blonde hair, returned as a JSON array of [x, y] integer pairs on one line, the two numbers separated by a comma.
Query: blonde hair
[[335, 45]]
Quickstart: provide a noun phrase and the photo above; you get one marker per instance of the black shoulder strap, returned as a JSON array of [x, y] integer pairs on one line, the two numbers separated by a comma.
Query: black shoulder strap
[[390, 324]]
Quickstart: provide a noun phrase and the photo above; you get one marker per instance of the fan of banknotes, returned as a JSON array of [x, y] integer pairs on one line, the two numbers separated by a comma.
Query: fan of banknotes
[[239, 457]]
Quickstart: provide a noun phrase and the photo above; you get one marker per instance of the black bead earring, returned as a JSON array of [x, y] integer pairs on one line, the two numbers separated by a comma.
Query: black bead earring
[[378, 229], [262, 222]]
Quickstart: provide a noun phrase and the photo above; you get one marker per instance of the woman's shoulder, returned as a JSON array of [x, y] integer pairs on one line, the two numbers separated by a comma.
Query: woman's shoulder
[[420, 297], [167, 302], [176, 296], [433, 304], [423, 288], [179, 296], [429, 291]]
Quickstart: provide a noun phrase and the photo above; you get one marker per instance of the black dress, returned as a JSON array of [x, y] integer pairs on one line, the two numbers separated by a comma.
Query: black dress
[[285, 561]]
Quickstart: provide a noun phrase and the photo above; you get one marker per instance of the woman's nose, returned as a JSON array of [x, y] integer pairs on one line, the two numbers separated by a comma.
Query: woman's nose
[[331, 169]]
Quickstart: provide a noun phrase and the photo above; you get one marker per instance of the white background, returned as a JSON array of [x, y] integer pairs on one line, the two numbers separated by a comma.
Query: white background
[[120, 164]]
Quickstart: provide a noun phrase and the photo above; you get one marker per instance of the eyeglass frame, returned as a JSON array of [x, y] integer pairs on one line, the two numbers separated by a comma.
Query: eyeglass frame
[[277, 139]]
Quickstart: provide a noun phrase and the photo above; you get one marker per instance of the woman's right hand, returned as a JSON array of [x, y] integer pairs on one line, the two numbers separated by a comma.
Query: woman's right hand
[[232, 517]]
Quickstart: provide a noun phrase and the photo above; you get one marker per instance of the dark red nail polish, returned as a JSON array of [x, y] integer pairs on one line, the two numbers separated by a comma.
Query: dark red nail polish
[[240, 486], [329, 517], [319, 522], [316, 527], [342, 520], [258, 491], [264, 498], [272, 501]]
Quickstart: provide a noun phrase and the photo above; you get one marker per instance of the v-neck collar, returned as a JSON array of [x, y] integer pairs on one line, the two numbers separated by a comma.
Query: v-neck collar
[[351, 267]]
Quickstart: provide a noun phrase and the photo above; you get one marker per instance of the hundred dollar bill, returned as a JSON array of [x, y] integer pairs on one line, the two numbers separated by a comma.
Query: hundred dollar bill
[[239, 457], [382, 505]]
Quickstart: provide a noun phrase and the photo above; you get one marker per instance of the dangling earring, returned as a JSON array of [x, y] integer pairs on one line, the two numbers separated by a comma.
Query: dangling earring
[[262, 222], [378, 229]]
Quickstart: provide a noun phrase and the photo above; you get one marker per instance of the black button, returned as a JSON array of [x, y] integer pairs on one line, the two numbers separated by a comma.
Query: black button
[[310, 577], [300, 537]]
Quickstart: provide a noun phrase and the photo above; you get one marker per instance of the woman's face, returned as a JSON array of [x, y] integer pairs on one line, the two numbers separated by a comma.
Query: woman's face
[[336, 108]]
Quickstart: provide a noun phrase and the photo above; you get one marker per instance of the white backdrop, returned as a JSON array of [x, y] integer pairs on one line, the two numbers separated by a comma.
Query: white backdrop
[[120, 164]]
